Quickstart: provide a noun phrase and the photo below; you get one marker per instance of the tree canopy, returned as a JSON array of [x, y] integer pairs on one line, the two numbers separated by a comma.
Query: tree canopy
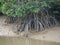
[[22, 8]]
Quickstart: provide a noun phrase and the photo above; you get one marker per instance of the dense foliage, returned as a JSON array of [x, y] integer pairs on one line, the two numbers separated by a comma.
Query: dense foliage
[[18, 8], [23, 7]]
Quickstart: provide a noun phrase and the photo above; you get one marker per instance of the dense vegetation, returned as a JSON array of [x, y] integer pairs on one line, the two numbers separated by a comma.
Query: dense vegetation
[[36, 14]]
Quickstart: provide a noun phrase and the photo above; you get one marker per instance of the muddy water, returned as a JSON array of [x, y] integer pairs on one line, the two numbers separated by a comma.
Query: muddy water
[[24, 41]]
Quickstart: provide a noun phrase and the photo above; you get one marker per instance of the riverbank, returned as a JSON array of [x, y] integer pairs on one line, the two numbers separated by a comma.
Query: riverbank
[[50, 36]]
